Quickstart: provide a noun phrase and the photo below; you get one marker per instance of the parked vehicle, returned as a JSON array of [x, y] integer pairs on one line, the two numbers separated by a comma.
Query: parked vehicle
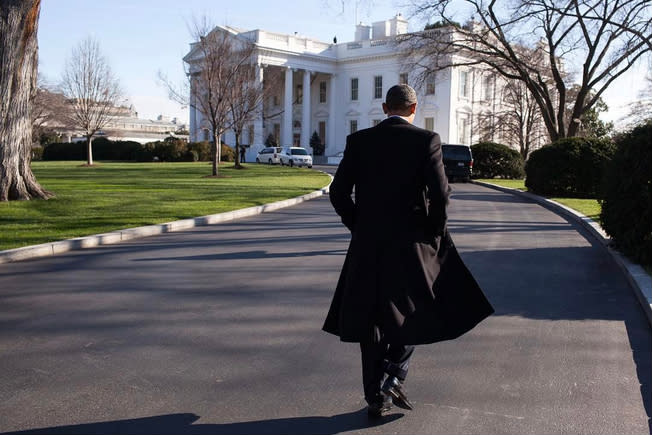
[[295, 156], [458, 161], [269, 155]]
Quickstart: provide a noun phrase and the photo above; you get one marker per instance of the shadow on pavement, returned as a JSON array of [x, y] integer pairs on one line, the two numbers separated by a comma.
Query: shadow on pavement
[[182, 424], [247, 255]]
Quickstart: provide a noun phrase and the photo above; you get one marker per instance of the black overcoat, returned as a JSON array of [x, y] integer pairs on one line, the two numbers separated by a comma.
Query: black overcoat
[[402, 280]]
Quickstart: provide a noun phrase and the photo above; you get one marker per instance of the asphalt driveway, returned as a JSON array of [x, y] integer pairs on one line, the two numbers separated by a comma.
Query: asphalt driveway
[[217, 330]]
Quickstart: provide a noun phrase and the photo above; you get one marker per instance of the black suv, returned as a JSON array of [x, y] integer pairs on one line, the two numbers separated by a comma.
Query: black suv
[[458, 161]]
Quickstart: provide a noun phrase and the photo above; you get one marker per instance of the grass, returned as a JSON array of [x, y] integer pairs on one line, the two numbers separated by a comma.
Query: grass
[[588, 207], [118, 195]]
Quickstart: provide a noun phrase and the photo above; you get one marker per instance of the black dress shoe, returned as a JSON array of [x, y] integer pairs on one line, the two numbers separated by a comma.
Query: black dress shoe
[[394, 389], [379, 406]]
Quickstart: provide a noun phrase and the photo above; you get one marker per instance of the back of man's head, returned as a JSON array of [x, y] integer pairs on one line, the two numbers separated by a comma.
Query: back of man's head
[[399, 98]]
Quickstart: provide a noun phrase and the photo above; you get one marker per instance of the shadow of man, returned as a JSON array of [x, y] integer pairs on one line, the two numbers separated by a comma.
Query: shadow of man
[[182, 424]]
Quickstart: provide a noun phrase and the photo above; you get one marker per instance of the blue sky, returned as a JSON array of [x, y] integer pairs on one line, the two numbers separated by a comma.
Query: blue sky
[[141, 37]]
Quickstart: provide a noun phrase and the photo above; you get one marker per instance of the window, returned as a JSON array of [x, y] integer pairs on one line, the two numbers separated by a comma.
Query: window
[[488, 88], [251, 135], [464, 84], [403, 79], [354, 89], [276, 100], [375, 122], [378, 87], [206, 135], [299, 94], [353, 124], [277, 132], [430, 84], [322, 92], [430, 124], [463, 130], [322, 131]]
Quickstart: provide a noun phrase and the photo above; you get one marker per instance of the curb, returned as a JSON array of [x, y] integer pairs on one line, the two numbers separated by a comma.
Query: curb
[[638, 278], [54, 248]]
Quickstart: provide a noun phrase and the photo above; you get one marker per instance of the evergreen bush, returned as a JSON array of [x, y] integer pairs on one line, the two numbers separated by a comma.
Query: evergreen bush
[[316, 144], [271, 141], [228, 154], [571, 167], [627, 195], [103, 149], [203, 150], [65, 151], [491, 160]]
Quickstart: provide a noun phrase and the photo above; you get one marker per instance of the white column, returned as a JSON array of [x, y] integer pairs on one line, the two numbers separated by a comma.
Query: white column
[[259, 140], [193, 125], [331, 140], [286, 134], [305, 113], [193, 116]]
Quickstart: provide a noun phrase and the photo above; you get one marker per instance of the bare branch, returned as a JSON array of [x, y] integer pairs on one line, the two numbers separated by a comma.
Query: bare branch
[[92, 90]]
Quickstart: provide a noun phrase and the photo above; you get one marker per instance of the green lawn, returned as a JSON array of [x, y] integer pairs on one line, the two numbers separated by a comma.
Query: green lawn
[[120, 195], [588, 207]]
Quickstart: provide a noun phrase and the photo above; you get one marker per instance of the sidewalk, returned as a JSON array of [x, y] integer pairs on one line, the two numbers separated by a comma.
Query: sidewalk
[[638, 278]]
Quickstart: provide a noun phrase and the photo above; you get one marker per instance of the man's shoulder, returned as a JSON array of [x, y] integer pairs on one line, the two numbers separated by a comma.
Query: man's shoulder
[[420, 131]]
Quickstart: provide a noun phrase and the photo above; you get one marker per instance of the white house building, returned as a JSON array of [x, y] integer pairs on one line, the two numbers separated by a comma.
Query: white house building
[[335, 89]]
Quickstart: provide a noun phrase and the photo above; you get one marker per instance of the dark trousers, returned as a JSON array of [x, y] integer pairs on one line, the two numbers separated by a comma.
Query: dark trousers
[[381, 358]]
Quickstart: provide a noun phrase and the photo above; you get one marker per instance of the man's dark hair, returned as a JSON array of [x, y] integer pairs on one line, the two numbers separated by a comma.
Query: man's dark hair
[[400, 97]]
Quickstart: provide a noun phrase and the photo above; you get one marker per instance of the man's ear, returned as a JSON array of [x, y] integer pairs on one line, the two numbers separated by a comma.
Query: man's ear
[[385, 109], [413, 108]]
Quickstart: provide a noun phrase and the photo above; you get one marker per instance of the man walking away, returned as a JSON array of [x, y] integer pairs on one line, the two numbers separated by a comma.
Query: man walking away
[[402, 282]]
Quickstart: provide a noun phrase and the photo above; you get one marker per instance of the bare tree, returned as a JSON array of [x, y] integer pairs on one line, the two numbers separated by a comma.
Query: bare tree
[[92, 90], [536, 41], [641, 110], [49, 109], [517, 120], [18, 73], [218, 67], [245, 99]]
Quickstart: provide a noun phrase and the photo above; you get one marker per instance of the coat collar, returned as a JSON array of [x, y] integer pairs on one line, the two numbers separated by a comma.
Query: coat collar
[[394, 120]]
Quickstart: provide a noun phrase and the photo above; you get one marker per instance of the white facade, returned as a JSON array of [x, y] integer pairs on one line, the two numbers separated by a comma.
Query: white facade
[[325, 76]]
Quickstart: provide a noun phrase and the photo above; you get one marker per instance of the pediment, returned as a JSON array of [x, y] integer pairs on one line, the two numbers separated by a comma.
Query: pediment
[[376, 111], [352, 113], [321, 113]]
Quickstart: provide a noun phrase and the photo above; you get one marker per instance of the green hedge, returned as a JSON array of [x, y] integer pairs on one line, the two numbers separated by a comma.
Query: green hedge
[[491, 160], [170, 149], [571, 167], [103, 149], [626, 205]]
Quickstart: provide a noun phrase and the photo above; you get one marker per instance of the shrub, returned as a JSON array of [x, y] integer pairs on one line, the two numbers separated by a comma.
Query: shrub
[[103, 149], [37, 152], [271, 141], [492, 160], [65, 151], [572, 167], [316, 144], [171, 149], [627, 193], [228, 154], [203, 150]]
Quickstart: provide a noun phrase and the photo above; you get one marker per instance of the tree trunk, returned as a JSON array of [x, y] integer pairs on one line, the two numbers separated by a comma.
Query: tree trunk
[[216, 151], [18, 70], [237, 150], [89, 150]]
